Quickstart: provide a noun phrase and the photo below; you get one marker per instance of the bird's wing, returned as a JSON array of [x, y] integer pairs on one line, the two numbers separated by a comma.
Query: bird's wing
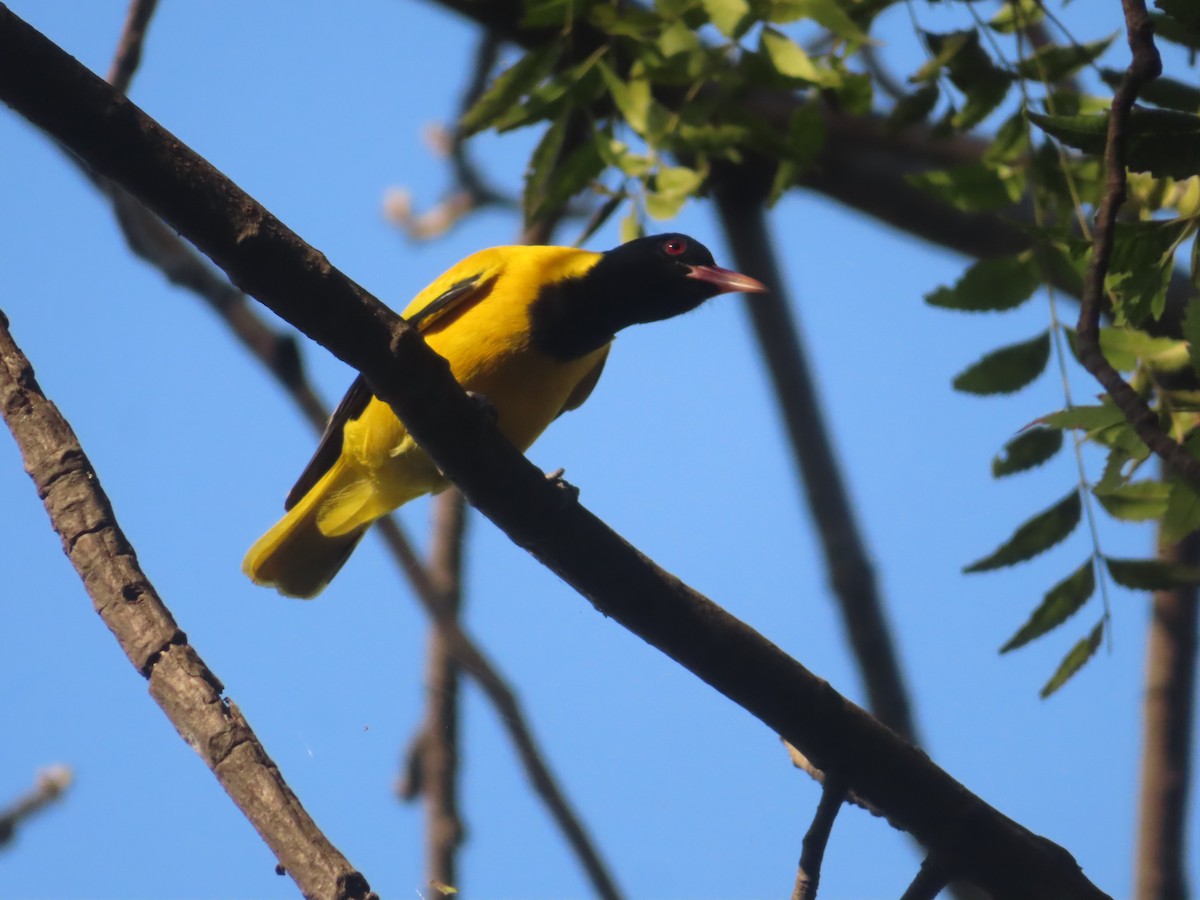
[[584, 388], [329, 448]]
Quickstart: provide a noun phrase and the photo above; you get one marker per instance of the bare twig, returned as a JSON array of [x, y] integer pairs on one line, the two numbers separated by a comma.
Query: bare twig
[[269, 261], [52, 782], [129, 49], [931, 879], [812, 852], [1168, 716], [439, 734], [188, 692], [1144, 67]]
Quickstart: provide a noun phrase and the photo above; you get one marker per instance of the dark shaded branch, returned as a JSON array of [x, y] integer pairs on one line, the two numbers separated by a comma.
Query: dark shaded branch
[[129, 48], [812, 852], [1144, 67], [51, 784], [931, 880], [270, 262], [1160, 871], [188, 692], [850, 573]]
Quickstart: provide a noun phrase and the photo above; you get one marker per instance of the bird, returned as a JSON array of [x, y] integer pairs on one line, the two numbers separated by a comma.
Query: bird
[[525, 328]]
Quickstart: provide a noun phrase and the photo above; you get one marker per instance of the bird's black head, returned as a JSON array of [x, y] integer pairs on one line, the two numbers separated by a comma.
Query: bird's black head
[[645, 280]]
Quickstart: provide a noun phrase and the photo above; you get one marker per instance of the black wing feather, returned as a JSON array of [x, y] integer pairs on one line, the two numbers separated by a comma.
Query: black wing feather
[[329, 448]]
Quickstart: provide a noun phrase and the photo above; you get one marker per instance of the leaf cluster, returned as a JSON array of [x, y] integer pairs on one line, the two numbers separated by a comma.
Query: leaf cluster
[[1049, 151]]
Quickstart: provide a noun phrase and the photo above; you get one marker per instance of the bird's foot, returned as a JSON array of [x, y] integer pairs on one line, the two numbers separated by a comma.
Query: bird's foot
[[567, 491], [485, 406]]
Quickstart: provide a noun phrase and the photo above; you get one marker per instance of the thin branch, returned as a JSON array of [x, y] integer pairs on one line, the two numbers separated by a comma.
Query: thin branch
[[1145, 66], [188, 692], [439, 743], [270, 262], [931, 879], [846, 561], [129, 48], [812, 852], [52, 782], [1168, 717]]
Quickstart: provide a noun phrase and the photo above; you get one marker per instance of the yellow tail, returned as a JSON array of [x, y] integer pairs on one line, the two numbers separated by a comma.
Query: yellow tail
[[296, 556]]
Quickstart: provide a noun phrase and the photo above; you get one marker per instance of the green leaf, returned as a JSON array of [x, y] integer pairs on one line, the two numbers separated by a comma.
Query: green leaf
[[552, 180], [1165, 92], [631, 225], [1051, 63], [1171, 29], [602, 214], [632, 98], [672, 188], [509, 87], [541, 166], [1060, 603], [1139, 270], [732, 17], [1191, 331], [1185, 12], [1074, 660], [1137, 501], [1036, 536], [826, 13], [791, 61], [1151, 574], [971, 70], [973, 187], [1017, 15], [1027, 450], [1123, 347], [991, 285], [1086, 418], [552, 13], [1006, 370], [1162, 142], [1183, 513], [914, 107]]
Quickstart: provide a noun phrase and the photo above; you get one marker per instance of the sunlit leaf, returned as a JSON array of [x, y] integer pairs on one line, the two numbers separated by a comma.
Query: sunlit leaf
[[731, 17], [1183, 513], [1007, 369], [1137, 501], [790, 60], [672, 187], [1191, 331], [827, 13], [1124, 347], [1027, 450], [631, 225], [1151, 574], [1074, 660], [991, 285], [1060, 603], [632, 98], [1035, 536], [1140, 268]]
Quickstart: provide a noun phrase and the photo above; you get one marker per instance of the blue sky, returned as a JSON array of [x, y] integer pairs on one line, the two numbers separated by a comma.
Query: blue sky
[[316, 110]]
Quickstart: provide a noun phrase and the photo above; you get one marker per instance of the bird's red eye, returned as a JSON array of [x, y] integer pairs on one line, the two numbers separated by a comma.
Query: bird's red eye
[[675, 246]]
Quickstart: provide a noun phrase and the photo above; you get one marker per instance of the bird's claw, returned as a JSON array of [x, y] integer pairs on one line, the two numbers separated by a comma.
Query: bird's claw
[[568, 491]]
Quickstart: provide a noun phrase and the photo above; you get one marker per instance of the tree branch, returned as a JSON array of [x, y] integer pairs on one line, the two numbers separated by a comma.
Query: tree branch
[[812, 852], [129, 48], [1145, 66], [51, 784], [1168, 716], [188, 692], [270, 262]]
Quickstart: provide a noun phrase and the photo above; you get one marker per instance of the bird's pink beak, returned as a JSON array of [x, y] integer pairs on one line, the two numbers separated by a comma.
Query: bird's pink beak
[[727, 279]]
